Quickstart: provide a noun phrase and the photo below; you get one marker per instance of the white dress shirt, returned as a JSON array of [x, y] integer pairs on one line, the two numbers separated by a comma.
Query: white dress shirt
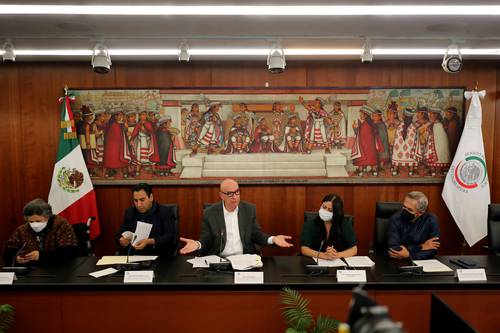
[[233, 239]]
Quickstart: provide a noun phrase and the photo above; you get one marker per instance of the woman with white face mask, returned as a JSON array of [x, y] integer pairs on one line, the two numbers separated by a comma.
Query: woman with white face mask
[[330, 234], [43, 238]]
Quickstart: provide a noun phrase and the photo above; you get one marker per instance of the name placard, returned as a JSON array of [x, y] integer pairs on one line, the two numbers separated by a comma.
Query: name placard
[[138, 277], [345, 275], [475, 274], [248, 277], [7, 277]]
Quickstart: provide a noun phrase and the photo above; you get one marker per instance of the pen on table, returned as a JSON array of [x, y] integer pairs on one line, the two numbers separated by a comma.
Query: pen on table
[[458, 264]]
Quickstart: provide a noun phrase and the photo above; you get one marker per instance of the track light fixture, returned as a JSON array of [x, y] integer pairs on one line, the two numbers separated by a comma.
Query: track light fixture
[[452, 59], [9, 54], [367, 55], [184, 52], [276, 59], [101, 61]]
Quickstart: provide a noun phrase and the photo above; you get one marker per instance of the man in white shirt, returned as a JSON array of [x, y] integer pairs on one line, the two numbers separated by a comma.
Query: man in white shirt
[[230, 227]]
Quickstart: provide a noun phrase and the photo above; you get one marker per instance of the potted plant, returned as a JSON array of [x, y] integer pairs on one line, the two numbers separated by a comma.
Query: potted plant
[[298, 317], [6, 317]]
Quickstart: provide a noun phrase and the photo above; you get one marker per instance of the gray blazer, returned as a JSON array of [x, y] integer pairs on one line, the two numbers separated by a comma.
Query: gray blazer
[[213, 230]]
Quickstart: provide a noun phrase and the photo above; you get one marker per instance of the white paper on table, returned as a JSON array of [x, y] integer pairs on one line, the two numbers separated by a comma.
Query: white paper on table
[[103, 272], [113, 260], [142, 231], [330, 263], [204, 262], [474, 274], [248, 277], [243, 262], [432, 266], [138, 277], [359, 261]]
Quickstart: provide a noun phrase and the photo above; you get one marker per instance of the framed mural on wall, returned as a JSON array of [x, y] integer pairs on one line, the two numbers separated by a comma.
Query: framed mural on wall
[[320, 135]]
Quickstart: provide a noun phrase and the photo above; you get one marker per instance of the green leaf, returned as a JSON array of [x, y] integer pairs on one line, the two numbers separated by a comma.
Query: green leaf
[[6, 317], [295, 310], [326, 325]]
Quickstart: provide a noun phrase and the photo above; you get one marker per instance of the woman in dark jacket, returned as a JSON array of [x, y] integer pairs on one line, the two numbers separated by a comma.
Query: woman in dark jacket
[[330, 234]]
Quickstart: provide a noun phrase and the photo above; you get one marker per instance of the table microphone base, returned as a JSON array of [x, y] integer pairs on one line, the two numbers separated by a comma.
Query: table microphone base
[[19, 270], [133, 266], [316, 270], [220, 266], [411, 269]]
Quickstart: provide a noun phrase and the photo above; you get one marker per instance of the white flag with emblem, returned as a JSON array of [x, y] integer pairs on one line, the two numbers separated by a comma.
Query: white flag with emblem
[[466, 190]]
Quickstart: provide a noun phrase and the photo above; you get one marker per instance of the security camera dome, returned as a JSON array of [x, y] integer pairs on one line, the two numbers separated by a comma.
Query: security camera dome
[[276, 62], [101, 61], [100, 64]]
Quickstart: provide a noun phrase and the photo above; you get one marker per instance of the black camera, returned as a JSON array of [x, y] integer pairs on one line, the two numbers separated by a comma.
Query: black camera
[[366, 316]]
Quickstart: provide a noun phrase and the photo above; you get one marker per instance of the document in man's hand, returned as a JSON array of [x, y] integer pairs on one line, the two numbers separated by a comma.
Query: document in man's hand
[[359, 261], [432, 266], [330, 263], [142, 231], [243, 262]]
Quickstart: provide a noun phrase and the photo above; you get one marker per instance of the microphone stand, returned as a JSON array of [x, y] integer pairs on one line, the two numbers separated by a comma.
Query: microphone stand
[[317, 269], [129, 265], [17, 269], [221, 265]]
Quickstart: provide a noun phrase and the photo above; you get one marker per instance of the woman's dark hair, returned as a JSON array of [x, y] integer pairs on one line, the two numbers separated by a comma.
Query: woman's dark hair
[[338, 214]]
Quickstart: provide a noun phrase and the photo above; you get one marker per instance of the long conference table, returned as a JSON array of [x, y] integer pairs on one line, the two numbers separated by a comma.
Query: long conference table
[[66, 299]]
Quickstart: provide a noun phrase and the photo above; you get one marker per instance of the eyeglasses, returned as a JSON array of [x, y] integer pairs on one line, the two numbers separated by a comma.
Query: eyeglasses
[[231, 194], [409, 210]]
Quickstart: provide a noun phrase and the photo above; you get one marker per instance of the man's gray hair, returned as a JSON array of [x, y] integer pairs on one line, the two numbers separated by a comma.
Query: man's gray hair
[[422, 201], [37, 207]]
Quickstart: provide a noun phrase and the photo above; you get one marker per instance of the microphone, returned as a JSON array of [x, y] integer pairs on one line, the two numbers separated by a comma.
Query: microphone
[[412, 269], [221, 265], [13, 267], [317, 269], [130, 265], [130, 246]]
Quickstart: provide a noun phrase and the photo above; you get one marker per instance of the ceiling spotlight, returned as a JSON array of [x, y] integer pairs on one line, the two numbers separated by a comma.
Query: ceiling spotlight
[[9, 53], [276, 59], [452, 60], [367, 55], [184, 52], [101, 61]]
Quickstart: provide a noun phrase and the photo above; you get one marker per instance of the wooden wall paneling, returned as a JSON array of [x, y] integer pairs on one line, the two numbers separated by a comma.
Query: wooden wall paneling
[[162, 74], [11, 172], [255, 74], [353, 74], [475, 307], [41, 310]]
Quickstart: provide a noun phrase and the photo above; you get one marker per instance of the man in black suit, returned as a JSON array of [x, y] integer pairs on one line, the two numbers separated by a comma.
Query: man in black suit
[[231, 226]]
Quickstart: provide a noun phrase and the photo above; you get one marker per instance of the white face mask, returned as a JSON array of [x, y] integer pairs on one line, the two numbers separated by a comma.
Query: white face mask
[[38, 226], [325, 215]]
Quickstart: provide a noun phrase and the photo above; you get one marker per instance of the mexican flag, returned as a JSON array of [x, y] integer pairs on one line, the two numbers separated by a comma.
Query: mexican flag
[[71, 194], [466, 190]]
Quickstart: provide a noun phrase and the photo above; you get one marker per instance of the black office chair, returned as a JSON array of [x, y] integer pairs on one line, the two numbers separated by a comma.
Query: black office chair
[[82, 233], [383, 213], [175, 213], [494, 229]]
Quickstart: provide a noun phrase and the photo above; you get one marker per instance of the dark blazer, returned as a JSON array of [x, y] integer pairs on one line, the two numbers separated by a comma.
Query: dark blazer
[[213, 230], [164, 230]]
